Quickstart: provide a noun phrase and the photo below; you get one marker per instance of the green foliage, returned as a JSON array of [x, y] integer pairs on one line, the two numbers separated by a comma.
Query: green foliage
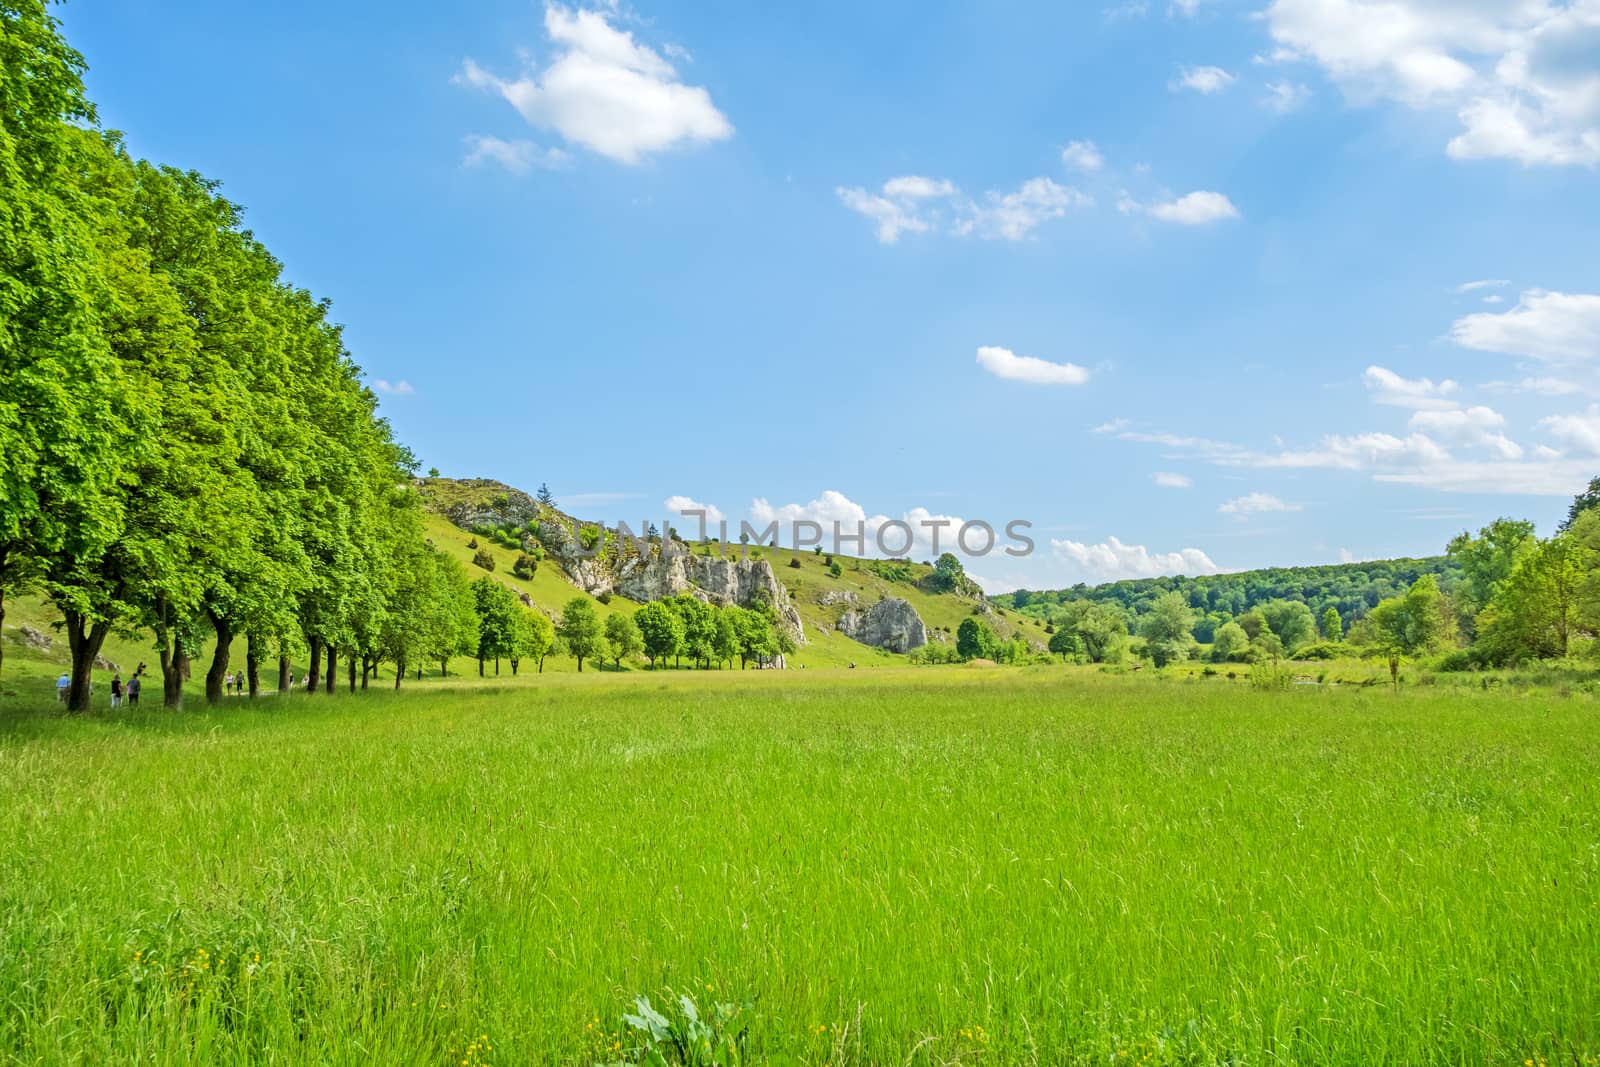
[[498, 615], [1166, 629], [1230, 643], [1488, 560], [1065, 644], [686, 1037], [1351, 588], [661, 628], [1332, 625], [1291, 621], [1101, 629], [1408, 625], [893, 570], [948, 573], [483, 559], [525, 567], [580, 630], [623, 640], [975, 640], [834, 569]]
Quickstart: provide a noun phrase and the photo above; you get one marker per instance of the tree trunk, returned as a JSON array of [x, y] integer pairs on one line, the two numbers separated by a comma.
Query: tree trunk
[[285, 676], [252, 664], [85, 639], [170, 655], [332, 678], [497, 666], [399, 672], [2, 629], [444, 669], [350, 669], [219, 658], [1394, 670], [514, 667], [480, 666], [314, 672], [580, 664]]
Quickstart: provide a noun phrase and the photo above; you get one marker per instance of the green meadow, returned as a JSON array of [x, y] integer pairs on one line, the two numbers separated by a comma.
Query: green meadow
[[889, 866]]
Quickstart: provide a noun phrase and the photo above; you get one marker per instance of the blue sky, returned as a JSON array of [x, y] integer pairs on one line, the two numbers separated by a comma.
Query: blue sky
[[1207, 285]]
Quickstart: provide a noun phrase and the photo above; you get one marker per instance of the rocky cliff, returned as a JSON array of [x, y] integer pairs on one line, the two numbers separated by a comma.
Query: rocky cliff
[[891, 624]]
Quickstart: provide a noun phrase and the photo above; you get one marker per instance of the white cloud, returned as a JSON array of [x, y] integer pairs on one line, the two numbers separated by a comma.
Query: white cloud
[[606, 92], [1469, 426], [1256, 504], [1492, 283], [1390, 388], [1013, 216], [1549, 386], [1170, 480], [519, 156], [1494, 300], [1113, 559], [388, 388], [1285, 96], [916, 187], [1194, 209], [1205, 80], [916, 204], [677, 505], [1522, 76], [893, 216], [1004, 363], [1553, 327], [1578, 433], [1082, 155], [931, 533]]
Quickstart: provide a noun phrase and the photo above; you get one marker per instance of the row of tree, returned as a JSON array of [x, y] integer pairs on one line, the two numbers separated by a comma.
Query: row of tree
[[186, 447], [1508, 597]]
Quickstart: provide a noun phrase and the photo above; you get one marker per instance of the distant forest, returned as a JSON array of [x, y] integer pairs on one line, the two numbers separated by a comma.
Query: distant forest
[[1351, 589]]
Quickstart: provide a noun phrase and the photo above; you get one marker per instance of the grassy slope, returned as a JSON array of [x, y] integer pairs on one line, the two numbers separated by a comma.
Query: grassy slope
[[982, 866]]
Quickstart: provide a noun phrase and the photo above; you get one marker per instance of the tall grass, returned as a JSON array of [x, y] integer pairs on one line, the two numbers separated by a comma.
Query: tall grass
[[922, 867]]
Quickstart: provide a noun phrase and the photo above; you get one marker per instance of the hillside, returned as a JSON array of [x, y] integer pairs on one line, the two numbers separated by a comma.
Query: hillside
[[497, 517], [1350, 588]]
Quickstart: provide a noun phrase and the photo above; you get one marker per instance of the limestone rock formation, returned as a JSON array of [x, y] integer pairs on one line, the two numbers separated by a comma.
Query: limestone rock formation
[[671, 568], [891, 624]]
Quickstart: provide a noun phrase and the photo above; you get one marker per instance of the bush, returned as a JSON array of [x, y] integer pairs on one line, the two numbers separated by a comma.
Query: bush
[[1266, 675], [794, 561], [525, 566], [483, 559], [835, 570], [604, 598], [1324, 650], [473, 543], [1462, 659]]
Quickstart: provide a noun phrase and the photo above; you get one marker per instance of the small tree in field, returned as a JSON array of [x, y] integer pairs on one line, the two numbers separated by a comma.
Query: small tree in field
[[623, 639], [662, 631], [1407, 625], [483, 559], [1332, 626], [580, 630]]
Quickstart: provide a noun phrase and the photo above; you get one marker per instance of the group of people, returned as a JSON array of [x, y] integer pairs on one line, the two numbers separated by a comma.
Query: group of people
[[119, 688]]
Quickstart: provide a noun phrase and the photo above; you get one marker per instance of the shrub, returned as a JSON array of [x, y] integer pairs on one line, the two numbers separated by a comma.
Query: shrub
[[483, 559], [1324, 650], [794, 561], [835, 570], [472, 543], [604, 598], [525, 566]]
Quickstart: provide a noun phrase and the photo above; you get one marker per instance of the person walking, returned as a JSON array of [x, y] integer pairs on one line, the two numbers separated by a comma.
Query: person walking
[[133, 688], [116, 690], [63, 684]]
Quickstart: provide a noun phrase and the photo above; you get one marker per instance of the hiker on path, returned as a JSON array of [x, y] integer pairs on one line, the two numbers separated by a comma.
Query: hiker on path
[[116, 690]]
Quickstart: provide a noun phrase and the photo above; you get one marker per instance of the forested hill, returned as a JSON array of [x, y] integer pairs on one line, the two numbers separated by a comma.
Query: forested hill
[[1350, 588]]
